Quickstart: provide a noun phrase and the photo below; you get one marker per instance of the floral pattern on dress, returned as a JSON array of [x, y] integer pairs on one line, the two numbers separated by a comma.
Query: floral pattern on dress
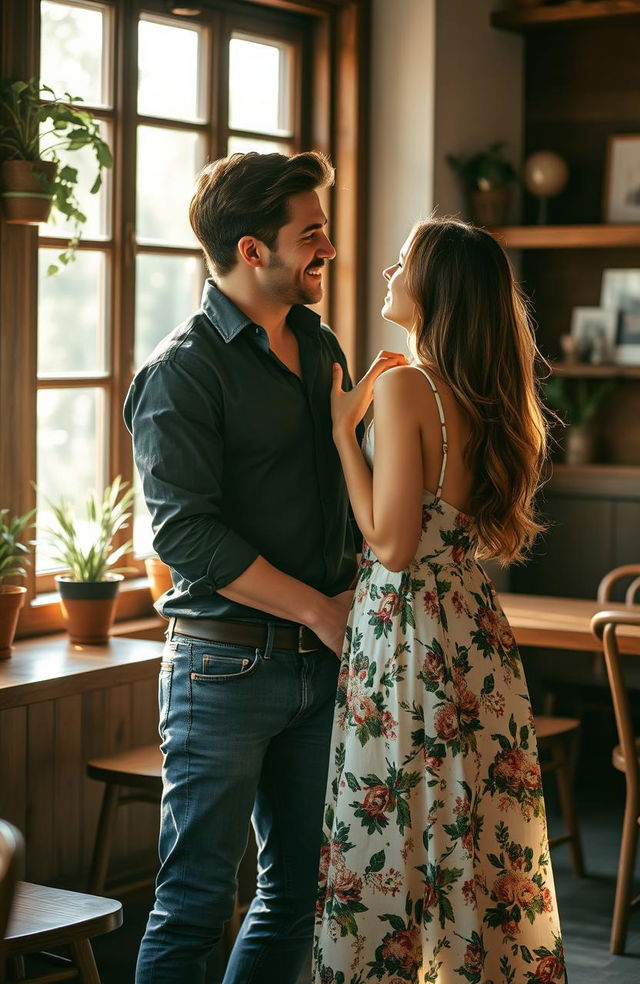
[[435, 864]]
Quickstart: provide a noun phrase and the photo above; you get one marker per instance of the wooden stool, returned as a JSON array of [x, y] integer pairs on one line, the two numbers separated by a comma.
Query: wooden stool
[[40, 918], [129, 777], [559, 737], [133, 777]]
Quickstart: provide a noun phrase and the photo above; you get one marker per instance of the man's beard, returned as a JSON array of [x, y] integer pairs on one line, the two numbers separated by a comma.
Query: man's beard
[[283, 290]]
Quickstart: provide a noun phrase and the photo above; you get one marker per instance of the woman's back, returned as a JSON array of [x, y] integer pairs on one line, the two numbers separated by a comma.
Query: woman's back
[[436, 408]]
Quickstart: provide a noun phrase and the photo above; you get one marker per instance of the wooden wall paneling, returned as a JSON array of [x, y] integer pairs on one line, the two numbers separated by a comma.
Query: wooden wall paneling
[[39, 834], [95, 741], [144, 818], [576, 551], [618, 425], [13, 766], [627, 532], [67, 820], [119, 740]]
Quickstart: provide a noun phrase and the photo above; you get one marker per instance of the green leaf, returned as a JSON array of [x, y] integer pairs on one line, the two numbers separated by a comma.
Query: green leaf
[[396, 922], [376, 862], [352, 782]]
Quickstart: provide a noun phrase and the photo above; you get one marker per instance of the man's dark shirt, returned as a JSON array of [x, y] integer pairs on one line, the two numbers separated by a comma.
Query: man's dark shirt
[[237, 458]]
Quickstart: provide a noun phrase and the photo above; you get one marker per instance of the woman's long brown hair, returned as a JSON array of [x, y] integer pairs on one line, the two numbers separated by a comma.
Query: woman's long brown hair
[[472, 326]]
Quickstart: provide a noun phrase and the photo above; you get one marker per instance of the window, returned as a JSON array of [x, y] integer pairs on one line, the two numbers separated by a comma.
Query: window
[[78, 405], [171, 92]]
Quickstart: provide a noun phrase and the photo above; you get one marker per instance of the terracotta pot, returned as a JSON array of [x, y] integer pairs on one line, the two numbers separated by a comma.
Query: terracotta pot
[[159, 577], [88, 608], [489, 208], [24, 202], [12, 598]]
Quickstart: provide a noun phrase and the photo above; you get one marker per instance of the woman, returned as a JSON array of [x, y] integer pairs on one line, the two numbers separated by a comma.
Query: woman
[[435, 861]]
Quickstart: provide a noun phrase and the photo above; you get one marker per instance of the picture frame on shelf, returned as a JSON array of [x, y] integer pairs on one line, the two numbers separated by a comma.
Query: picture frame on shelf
[[628, 347], [594, 331], [620, 293], [622, 179]]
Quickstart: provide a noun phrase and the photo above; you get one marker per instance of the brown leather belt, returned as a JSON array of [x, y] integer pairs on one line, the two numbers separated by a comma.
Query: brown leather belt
[[296, 637]]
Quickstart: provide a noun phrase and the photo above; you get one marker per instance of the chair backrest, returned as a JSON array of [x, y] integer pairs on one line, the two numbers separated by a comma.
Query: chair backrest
[[11, 856], [618, 574], [605, 625]]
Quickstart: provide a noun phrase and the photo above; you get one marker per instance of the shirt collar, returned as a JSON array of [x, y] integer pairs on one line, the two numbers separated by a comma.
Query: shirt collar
[[229, 320]]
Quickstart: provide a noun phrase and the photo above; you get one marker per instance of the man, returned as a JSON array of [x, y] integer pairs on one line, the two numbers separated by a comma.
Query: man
[[231, 427]]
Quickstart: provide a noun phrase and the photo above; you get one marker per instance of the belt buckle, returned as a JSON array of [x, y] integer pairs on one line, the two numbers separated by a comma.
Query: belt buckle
[[301, 648]]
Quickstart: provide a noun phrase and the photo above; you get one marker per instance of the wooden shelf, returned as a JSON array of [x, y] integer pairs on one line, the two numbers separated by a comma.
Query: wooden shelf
[[596, 480], [579, 11], [568, 236], [583, 370]]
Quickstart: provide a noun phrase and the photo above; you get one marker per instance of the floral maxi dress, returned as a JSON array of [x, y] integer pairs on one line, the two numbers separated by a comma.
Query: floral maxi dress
[[435, 861]]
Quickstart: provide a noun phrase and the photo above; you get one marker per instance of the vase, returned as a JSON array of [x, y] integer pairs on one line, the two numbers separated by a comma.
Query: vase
[[88, 608], [489, 208]]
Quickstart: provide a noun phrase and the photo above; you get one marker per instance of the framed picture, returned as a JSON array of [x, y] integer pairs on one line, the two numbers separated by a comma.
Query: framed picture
[[620, 293], [594, 330], [628, 348], [622, 179]]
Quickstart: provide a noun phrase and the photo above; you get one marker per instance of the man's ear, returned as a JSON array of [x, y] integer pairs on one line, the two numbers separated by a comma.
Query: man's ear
[[253, 251]]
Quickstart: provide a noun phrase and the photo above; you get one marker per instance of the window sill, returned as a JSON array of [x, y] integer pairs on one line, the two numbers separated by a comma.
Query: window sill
[[42, 616]]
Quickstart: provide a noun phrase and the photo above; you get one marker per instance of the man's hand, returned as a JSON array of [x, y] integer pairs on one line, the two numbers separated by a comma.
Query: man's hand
[[349, 407], [331, 624]]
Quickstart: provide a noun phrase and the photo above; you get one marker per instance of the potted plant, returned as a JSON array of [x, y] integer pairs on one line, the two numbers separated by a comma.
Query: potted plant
[[486, 177], [159, 575], [33, 131], [88, 592], [576, 401], [14, 554]]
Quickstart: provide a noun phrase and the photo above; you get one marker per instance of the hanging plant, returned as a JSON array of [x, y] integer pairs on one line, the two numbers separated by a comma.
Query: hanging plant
[[36, 126]]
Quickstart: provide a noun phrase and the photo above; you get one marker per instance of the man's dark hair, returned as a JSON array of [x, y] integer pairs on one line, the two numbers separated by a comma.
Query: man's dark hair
[[248, 195]]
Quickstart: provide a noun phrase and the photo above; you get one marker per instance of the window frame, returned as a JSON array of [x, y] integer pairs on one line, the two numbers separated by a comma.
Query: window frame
[[333, 44]]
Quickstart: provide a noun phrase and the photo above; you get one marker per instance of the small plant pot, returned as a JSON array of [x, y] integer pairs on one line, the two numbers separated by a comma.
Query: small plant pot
[[24, 201], [88, 608], [159, 577], [12, 598], [579, 445], [489, 208]]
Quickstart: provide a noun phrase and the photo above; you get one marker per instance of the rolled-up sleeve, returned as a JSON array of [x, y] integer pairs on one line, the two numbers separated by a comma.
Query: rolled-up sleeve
[[176, 420]]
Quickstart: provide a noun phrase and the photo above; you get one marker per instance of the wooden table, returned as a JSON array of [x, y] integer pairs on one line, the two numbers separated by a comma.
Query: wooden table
[[562, 623]]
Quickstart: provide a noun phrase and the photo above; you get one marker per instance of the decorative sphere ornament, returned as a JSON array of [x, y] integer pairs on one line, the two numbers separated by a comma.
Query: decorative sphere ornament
[[545, 174]]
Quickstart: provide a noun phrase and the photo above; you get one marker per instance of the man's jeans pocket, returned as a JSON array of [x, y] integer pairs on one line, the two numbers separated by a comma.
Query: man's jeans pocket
[[164, 694], [223, 662]]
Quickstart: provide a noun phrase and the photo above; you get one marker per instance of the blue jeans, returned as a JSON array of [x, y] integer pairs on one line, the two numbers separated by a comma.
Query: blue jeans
[[245, 734]]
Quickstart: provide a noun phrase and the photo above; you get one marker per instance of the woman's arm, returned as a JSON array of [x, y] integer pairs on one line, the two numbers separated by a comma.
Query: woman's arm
[[388, 503]]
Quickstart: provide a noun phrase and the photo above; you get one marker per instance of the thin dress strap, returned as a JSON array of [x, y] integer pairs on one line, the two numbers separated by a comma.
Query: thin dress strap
[[445, 445]]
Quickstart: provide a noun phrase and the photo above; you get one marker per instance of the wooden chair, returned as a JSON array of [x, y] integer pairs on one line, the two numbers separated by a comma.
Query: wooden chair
[[11, 860], [626, 758], [134, 776], [559, 737], [618, 574], [38, 918]]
